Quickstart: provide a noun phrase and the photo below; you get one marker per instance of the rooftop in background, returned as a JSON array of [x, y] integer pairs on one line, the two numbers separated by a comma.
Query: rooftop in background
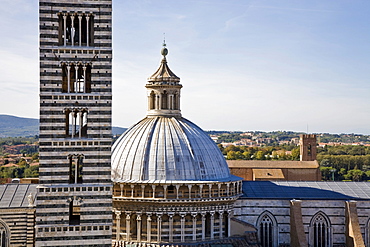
[[306, 190], [16, 195]]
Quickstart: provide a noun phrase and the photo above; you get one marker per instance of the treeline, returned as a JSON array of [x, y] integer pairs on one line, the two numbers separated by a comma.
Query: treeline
[[282, 152], [347, 162]]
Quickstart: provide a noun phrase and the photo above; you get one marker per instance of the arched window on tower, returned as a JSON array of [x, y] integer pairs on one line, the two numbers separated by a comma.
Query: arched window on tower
[[4, 234], [267, 230], [74, 212], [75, 169], [76, 123], [76, 29], [76, 78], [320, 231]]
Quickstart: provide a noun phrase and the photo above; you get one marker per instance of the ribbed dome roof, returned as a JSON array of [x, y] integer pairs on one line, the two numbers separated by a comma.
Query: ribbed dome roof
[[167, 148]]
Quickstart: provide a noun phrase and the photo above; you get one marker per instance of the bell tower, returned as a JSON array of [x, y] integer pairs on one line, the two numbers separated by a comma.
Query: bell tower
[[307, 147], [74, 199]]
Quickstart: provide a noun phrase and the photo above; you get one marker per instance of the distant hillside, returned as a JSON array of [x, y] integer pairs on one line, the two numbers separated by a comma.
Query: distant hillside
[[118, 130], [12, 126]]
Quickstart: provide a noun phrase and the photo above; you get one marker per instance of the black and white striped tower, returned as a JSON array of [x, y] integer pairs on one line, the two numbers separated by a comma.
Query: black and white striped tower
[[74, 199]]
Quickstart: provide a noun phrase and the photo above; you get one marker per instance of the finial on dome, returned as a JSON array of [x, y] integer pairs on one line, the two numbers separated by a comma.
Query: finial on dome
[[164, 50]]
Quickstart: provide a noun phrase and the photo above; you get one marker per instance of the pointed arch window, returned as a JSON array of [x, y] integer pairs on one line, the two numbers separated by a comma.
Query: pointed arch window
[[320, 231], [4, 234], [267, 230]]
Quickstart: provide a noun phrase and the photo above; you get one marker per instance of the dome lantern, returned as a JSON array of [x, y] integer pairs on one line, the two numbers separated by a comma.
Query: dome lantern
[[163, 90]]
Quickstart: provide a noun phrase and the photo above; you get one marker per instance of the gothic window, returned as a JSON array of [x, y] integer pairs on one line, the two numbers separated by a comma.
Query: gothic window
[[75, 169], [320, 231], [76, 123], [4, 234], [76, 78], [76, 29], [267, 230], [74, 213]]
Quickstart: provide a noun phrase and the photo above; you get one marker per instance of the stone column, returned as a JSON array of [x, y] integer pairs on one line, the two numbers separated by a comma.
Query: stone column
[[229, 215], [212, 224], [159, 102], [189, 187], [80, 115], [138, 226], [210, 190], [128, 227], [149, 227], [73, 123], [87, 30], [153, 188], [203, 225], [182, 226], [142, 191], [65, 29], [132, 191], [201, 190], [159, 227], [79, 30], [228, 189], [170, 219], [84, 68], [76, 79], [194, 225], [121, 187], [69, 78], [72, 30], [118, 224], [221, 218]]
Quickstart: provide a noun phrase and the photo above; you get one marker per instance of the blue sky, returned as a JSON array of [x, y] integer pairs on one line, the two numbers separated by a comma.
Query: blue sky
[[244, 65]]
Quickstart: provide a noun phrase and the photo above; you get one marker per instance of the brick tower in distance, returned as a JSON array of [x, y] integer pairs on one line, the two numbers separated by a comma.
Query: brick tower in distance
[[308, 147], [74, 199]]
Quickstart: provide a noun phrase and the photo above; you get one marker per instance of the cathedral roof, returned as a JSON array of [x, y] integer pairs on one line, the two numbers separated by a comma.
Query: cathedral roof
[[17, 195], [312, 190], [162, 149]]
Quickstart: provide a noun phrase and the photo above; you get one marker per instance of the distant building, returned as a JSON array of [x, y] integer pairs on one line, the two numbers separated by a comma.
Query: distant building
[[307, 169]]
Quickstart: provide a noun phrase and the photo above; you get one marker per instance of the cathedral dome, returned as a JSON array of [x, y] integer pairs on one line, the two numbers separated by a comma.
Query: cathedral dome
[[165, 147]]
